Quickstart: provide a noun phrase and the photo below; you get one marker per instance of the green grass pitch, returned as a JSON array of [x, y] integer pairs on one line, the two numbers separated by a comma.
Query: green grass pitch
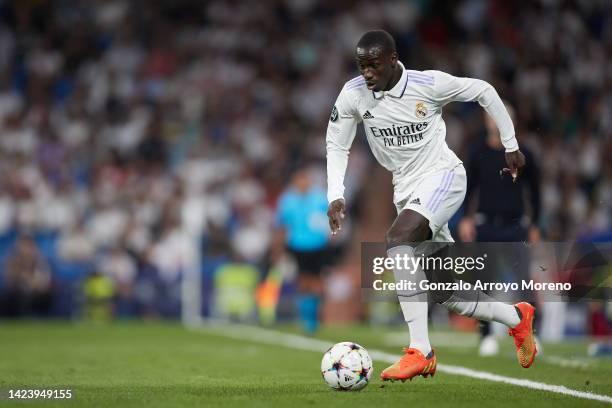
[[164, 364]]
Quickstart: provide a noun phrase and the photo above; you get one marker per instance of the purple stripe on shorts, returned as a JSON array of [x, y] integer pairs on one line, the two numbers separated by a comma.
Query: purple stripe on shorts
[[438, 190], [445, 193]]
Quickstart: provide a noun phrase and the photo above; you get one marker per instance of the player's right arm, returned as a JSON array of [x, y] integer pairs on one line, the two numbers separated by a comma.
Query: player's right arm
[[449, 88], [340, 134]]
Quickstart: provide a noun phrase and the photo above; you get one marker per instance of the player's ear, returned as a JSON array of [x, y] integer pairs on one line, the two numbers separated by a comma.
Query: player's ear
[[393, 58]]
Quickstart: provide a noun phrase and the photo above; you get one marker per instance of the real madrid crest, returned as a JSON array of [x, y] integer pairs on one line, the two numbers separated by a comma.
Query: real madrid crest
[[421, 110]]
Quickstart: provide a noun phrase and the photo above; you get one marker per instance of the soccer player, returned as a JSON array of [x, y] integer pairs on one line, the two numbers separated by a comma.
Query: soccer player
[[401, 111]]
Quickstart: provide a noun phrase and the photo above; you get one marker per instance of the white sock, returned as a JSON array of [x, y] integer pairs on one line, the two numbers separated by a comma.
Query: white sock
[[486, 309], [415, 314], [501, 313], [415, 309]]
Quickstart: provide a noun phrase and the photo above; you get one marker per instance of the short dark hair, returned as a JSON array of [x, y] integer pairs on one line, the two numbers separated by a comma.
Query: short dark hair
[[377, 39]]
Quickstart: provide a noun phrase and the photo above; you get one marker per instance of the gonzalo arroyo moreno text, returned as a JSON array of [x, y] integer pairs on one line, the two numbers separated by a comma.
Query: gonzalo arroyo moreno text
[[458, 265]]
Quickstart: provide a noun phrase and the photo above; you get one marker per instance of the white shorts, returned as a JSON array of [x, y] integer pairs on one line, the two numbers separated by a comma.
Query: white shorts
[[436, 196]]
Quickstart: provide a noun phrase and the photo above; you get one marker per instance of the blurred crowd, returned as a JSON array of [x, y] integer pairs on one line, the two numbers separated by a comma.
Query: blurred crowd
[[140, 139]]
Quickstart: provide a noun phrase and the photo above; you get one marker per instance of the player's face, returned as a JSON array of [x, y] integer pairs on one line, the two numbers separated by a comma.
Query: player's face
[[376, 67]]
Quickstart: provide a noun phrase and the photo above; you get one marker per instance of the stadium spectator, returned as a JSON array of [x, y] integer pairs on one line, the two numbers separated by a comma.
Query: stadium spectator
[[27, 282]]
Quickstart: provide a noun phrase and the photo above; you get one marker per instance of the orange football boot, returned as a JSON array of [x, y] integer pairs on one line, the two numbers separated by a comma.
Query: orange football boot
[[524, 339], [412, 363]]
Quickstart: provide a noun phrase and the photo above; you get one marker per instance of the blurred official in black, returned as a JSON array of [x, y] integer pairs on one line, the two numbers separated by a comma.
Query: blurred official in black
[[499, 209]]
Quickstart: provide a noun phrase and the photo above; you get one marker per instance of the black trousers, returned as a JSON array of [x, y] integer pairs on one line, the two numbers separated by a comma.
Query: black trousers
[[499, 232]]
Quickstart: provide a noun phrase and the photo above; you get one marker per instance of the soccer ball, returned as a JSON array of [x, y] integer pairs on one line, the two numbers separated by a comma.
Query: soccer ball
[[346, 366]]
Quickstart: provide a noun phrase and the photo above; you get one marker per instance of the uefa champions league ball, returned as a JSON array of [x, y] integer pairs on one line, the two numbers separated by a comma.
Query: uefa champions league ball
[[346, 366]]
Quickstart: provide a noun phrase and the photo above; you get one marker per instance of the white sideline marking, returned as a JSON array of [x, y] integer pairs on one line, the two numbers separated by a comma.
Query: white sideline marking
[[242, 332], [566, 362]]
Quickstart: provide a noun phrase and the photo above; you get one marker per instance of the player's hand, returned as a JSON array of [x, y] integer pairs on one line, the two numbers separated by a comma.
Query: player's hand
[[336, 213], [467, 229], [516, 162]]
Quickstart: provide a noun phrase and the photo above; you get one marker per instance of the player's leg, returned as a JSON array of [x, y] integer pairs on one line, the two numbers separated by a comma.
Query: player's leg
[[519, 318], [411, 228], [408, 230]]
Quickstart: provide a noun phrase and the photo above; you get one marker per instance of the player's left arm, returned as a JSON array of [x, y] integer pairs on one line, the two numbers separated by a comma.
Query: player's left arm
[[448, 88]]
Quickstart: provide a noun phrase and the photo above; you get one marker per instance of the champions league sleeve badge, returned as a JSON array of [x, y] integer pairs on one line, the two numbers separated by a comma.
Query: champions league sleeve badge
[[334, 114]]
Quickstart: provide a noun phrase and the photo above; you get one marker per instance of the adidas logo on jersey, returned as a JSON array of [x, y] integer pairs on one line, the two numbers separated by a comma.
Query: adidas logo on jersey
[[416, 201], [368, 115]]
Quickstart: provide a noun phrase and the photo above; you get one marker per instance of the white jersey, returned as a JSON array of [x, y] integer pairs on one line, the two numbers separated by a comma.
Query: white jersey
[[404, 126]]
